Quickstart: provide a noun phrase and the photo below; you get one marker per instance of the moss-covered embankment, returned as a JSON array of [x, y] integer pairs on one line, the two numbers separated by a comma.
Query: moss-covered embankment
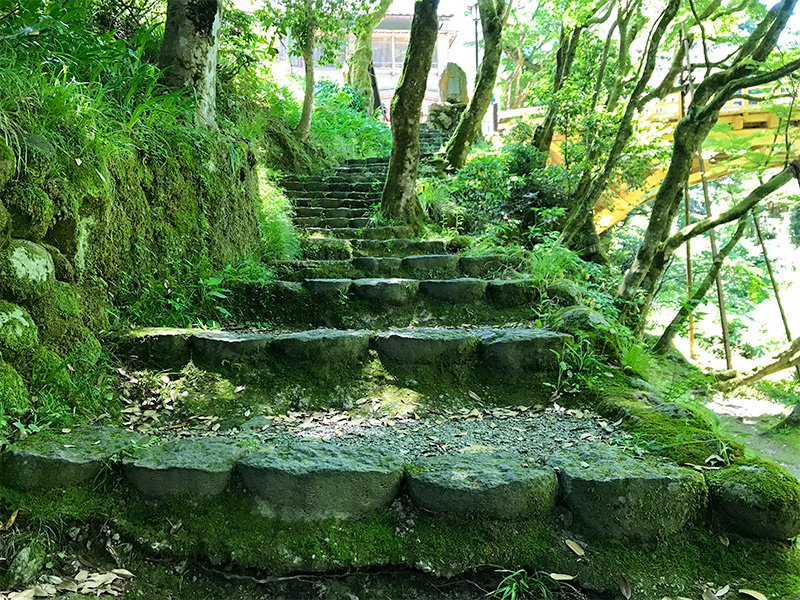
[[82, 225]]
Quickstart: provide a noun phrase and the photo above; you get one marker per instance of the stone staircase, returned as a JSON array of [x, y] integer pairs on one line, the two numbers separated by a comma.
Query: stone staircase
[[444, 483]]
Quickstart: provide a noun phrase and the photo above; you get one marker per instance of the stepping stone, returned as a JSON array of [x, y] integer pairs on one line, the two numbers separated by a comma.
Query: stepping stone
[[196, 468], [309, 211], [334, 222], [359, 222], [426, 346], [513, 293], [485, 485], [312, 481], [397, 247], [389, 291], [299, 270], [522, 350], [55, 460], [345, 213], [219, 347], [612, 494], [378, 265], [455, 291], [481, 266], [158, 347], [326, 248], [431, 263], [328, 287], [323, 346], [308, 221], [756, 500]]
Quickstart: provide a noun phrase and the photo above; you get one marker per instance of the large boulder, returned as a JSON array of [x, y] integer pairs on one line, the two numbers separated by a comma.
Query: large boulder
[[31, 210], [26, 271], [57, 312], [486, 485], [612, 494], [584, 322], [759, 500], [18, 333]]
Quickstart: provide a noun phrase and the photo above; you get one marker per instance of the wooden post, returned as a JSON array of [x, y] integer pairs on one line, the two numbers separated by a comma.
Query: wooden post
[[723, 316]]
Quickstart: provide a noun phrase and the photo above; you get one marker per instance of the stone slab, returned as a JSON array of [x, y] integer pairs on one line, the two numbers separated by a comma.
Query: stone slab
[[489, 485], [323, 347], [431, 263], [389, 291], [195, 468], [159, 348], [521, 350], [220, 347], [328, 287], [426, 345], [512, 293], [464, 290], [481, 266], [55, 460], [377, 265], [612, 494], [311, 480]]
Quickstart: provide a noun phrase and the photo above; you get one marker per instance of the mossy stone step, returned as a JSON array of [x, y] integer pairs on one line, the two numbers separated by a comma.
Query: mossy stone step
[[486, 485], [157, 348], [612, 494], [432, 263], [328, 287], [464, 290], [330, 248], [369, 160], [195, 468], [331, 213], [313, 481], [332, 222], [514, 292], [329, 203], [518, 350], [342, 194], [416, 346], [329, 186], [366, 233], [45, 461], [385, 291]]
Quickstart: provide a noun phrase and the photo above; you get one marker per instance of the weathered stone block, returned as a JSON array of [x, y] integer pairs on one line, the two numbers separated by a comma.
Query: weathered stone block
[[521, 350], [613, 494], [426, 346], [323, 347], [377, 265], [481, 266], [197, 468], [159, 348], [18, 333], [52, 460], [310, 480], [385, 291], [512, 293], [328, 287], [756, 500], [431, 263], [464, 290], [27, 271], [219, 347], [493, 486]]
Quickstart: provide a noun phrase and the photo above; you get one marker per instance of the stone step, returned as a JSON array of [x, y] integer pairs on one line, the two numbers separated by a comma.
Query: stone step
[[365, 233], [502, 352], [329, 248], [343, 194], [435, 266], [329, 186], [609, 493], [328, 223], [373, 160], [332, 213], [328, 203]]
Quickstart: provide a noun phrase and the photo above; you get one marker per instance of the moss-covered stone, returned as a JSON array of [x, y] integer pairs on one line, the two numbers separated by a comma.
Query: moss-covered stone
[[25, 566], [18, 332], [8, 164], [48, 371], [581, 321], [5, 225], [30, 208], [64, 269], [94, 305], [26, 271], [16, 400], [80, 346], [57, 313], [758, 499], [39, 156]]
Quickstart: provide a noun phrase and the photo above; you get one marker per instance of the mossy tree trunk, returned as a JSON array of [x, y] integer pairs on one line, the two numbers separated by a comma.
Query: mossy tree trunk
[[494, 15], [359, 75], [189, 52], [307, 52], [399, 200], [713, 92]]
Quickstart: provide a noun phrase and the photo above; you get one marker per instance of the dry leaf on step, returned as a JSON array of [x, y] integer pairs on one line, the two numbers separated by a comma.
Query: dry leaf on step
[[575, 547], [753, 594], [561, 577], [625, 588], [708, 595]]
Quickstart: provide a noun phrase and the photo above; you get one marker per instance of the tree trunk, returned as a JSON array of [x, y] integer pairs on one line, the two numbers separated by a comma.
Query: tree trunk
[[307, 52], [399, 199], [359, 63], [665, 341], [189, 52], [494, 14], [786, 358]]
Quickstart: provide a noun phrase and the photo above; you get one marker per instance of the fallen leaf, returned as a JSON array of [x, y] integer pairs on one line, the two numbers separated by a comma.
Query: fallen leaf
[[625, 588], [575, 547], [174, 529], [722, 591], [10, 523], [753, 594], [708, 595], [124, 573], [68, 586], [474, 396], [724, 539], [561, 577]]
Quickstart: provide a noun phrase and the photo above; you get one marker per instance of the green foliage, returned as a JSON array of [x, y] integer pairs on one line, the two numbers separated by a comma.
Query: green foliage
[[519, 584], [279, 238]]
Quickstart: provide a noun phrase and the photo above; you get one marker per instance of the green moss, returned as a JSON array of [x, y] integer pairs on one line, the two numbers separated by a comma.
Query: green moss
[[57, 313], [775, 486], [30, 208], [80, 346], [94, 306], [8, 164], [18, 333], [5, 226], [48, 371], [16, 400], [26, 271]]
